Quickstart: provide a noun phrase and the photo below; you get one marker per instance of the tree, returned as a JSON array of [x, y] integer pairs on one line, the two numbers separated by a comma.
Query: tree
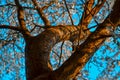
[[40, 26]]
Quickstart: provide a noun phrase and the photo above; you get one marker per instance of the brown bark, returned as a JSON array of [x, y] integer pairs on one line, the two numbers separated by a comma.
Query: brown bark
[[40, 11], [85, 51], [38, 48], [21, 20]]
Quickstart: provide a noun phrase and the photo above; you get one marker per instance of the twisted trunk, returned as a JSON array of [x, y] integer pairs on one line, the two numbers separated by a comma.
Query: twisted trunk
[[38, 49]]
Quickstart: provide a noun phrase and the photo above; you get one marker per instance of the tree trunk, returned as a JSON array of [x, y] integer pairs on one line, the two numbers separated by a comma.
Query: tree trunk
[[38, 49], [37, 59]]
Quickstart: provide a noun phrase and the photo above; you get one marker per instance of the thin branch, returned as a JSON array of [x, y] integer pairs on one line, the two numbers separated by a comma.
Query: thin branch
[[40, 11], [61, 53], [96, 9], [5, 42], [88, 6], [48, 5], [89, 14], [95, 26], [84, 23], [7, 5], [10, 27], [68, 12], [92, 11], [25, 7], [55, 53], [33, 29], [36, 25]]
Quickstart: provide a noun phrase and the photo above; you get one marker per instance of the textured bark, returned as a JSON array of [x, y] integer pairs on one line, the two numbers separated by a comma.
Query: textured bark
[[85, 51], [38, 48]]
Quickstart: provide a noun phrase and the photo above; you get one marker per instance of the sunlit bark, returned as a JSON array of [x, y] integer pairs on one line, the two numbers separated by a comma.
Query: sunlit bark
[[38, 48]]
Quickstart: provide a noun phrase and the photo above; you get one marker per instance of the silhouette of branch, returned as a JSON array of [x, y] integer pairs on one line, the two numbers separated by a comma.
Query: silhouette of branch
[[10, 27], [68, 12]]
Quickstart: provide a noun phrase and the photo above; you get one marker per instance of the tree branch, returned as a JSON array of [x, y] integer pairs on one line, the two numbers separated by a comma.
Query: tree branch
[[21, 20], [97, 8], [86, 50], [88, 7], [68, 12], [90, 13], [10, 27], [40, 11], [7, 5]]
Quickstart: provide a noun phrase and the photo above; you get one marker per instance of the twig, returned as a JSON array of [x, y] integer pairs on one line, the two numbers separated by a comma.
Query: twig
[[68, 12], [60, 53]]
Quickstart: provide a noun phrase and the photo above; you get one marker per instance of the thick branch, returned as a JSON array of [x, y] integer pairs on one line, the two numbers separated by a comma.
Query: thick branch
[[37, 58], [114, 18], [21, 20], [76, 62], [38, 48]]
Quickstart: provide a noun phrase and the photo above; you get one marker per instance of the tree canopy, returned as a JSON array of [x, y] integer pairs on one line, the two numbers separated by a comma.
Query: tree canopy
[[59, 39]]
